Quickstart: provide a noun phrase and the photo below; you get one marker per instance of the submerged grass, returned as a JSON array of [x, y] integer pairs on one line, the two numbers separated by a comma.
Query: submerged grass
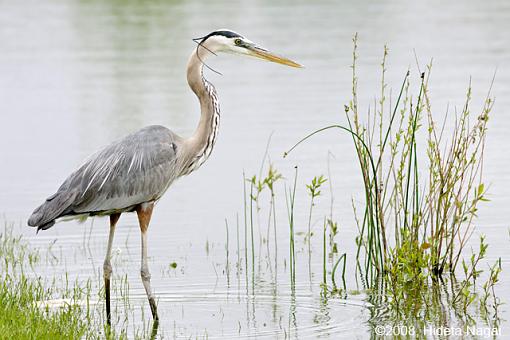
[[21, 318], [22, 314]]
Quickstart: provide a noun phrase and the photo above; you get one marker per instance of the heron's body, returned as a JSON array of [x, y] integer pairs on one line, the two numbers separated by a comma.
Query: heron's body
[[132, 173], [136, 169]]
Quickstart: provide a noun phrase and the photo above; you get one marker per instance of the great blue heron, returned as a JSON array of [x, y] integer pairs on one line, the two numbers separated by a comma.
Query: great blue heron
[[132, 173]]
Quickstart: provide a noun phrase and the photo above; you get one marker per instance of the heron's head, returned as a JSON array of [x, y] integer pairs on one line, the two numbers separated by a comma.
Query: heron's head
[[231, 42]]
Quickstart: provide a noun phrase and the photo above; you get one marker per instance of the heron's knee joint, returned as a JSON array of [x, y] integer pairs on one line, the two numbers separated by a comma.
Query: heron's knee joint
[[107, 269], [144, 273]]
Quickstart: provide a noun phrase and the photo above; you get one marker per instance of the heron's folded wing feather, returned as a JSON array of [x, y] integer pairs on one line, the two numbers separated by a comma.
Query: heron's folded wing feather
[[136, 169]]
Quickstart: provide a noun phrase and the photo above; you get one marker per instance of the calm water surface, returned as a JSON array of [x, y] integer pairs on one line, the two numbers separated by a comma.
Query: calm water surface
[[76, 75]]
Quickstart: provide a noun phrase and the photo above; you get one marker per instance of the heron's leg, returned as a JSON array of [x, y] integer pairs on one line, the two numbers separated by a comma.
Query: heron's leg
[[107, 266], [144, 212]]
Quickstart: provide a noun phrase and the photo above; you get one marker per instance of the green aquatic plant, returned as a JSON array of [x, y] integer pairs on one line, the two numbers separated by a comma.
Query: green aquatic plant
[[488, 286], [343, 259], [333, 231], [273, 176], [314, 191], [290, 198]]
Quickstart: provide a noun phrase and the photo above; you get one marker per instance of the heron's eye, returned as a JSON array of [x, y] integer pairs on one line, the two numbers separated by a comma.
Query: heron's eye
[[238, 42]]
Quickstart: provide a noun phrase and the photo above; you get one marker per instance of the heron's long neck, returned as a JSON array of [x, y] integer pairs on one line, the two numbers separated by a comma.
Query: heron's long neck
[[200, 145]]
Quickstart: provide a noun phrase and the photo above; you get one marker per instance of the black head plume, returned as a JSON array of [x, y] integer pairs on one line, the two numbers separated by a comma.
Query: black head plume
[[224, 33]]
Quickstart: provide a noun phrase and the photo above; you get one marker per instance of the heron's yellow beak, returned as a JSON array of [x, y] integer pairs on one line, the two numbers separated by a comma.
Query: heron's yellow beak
[[261, 53]]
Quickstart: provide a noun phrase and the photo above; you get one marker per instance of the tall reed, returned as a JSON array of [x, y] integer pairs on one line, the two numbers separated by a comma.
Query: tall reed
[[290, 198]]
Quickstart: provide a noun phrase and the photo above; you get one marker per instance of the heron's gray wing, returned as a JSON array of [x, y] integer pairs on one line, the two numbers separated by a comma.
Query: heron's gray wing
[[133, 170]]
